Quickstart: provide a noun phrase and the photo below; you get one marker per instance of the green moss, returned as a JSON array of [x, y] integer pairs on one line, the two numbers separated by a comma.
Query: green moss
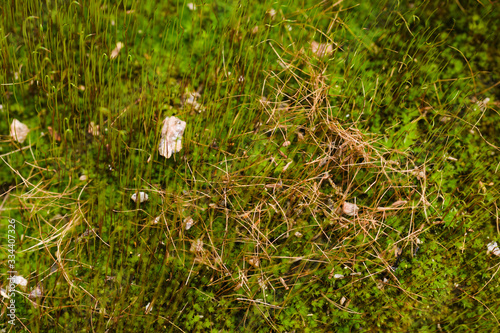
[[269, 215]]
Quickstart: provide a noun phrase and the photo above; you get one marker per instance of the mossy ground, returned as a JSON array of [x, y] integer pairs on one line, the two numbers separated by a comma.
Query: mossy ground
[[399, 116]]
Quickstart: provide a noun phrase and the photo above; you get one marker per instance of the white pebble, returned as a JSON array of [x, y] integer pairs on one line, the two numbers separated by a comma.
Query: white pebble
[[142, 197]]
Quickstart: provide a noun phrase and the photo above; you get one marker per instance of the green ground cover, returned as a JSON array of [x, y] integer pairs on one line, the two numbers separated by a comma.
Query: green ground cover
[[339, 165]]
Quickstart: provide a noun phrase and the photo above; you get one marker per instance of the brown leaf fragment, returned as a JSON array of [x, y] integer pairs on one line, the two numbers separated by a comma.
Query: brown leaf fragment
[[54, 134], [399, 203]]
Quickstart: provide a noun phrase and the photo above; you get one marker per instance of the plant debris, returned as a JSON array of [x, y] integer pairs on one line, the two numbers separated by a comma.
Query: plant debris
[[19, 280], [188, 222], [18, 131], [37, 292], [148, 308], [54, 134], [197, 246], [191, 98], [93, 129], [116, 50], [350, 208], [493, 248], [321, 50], [142, 197], [171, 136]]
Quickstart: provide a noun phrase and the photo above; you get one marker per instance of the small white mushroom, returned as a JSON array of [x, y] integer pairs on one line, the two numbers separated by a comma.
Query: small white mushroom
[[142, 197], [171, 136], [18, 131], [338, 276]]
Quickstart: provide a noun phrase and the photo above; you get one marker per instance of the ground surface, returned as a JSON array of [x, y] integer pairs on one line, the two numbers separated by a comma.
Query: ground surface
[[338, 171]]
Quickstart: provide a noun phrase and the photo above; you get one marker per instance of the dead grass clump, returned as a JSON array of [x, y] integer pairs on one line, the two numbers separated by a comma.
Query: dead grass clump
[[311, 193]]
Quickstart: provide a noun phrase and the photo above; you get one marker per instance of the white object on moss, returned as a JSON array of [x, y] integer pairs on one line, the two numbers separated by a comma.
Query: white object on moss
[[37, 292], [197, 246], [116, 50], [171, 136], [20, 281], [188, 222], [321, 50], [4, 293], [191, 98], [93, 129], [350, 208], [493, 248], [142, 197], [18, 131]]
